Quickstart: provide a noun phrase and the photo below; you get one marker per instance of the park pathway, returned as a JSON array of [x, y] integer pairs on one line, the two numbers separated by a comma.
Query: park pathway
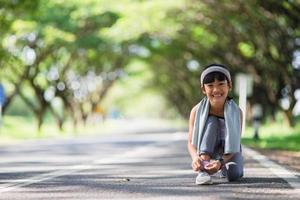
[[141, 165]]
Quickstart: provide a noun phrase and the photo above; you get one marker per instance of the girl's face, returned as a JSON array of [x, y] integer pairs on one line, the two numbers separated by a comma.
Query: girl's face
[[216, 92]]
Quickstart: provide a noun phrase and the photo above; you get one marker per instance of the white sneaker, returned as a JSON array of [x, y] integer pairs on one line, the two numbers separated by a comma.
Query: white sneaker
[[220, 174], [203, 178], [223, 174]]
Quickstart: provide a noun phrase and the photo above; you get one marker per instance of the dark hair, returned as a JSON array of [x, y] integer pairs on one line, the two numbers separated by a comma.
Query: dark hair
[[211, 77]]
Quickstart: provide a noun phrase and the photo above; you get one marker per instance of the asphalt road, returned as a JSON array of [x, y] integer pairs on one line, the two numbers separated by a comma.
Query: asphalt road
[[127, 166]]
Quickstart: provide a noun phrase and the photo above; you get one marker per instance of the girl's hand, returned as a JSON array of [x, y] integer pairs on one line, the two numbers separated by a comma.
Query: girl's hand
[[213, 167], [196, 164]]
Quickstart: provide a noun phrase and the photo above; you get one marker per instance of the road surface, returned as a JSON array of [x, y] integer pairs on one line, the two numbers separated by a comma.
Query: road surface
[[130, 166]]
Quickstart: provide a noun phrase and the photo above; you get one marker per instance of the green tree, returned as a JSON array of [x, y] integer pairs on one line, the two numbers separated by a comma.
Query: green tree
[[62, 38], [252, 37]]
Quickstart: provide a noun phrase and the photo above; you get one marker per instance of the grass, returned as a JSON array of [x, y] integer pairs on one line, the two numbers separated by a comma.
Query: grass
[[274, 136], [16, 129]]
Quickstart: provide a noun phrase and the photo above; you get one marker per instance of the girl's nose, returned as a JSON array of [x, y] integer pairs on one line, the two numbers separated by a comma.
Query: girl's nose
[[216, 89]]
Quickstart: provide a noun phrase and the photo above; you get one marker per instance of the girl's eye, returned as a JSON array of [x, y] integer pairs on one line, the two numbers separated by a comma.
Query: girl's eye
[[223, 83]]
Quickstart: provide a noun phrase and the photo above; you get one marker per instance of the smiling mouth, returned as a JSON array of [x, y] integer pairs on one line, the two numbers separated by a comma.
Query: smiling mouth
[[217, 95]]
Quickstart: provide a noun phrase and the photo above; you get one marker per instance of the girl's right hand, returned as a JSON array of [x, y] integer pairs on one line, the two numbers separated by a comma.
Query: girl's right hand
[[196, 163]]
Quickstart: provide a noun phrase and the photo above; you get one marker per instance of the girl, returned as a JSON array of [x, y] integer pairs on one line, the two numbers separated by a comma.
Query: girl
[[215, 128]]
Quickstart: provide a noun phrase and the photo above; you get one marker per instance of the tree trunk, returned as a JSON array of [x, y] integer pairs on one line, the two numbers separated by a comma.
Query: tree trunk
[[289, 117], [59, 119], [40, 118]]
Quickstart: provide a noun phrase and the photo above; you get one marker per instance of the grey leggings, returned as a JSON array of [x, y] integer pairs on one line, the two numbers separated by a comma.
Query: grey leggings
[[212, 145]]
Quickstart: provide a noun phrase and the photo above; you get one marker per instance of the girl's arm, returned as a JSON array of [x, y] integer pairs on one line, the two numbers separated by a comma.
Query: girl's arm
[[196, 161], [215, 165]]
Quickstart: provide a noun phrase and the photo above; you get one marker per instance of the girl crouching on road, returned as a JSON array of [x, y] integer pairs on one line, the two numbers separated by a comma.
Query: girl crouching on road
[[215, 129]]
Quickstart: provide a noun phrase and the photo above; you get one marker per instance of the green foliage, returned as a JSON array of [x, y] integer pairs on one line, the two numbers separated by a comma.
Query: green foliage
[[249, 37], [56, 37], [12, 10], [103, 36], [246, 49], [53, 35], [275, 136], [142, 17]]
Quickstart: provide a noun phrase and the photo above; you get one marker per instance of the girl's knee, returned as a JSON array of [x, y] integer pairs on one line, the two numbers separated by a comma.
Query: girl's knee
[[234, 173]]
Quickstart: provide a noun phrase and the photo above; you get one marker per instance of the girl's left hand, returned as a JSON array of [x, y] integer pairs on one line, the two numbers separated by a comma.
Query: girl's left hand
[[213, 167]]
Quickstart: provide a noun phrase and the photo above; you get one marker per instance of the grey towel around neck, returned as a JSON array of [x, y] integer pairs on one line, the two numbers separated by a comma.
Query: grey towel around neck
[[232, 125]]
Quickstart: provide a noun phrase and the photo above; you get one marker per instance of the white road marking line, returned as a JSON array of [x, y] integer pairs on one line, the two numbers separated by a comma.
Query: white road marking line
[[139, 151], [70, 170], [39, 178], [278, 170]]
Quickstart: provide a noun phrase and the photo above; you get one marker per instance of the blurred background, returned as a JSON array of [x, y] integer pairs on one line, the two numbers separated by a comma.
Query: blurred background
[[73, 67]]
